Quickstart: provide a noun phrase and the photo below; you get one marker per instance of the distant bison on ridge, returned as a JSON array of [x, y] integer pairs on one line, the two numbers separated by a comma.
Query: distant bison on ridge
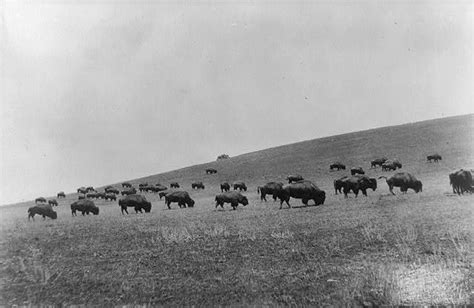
[[337, 165], [61, 194], [40, 200], [130, 191], [269, 189], [461, 181], [232, 197], [211, 171], [197, 185], [294, 178], [357, 170], [434, 157], [174, 185], [126, 184], [44, 210], [181, 197], [378, 162], [404, 180], [138, 202], [85, 207]]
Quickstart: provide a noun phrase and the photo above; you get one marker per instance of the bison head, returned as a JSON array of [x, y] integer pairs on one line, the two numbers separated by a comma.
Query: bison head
[[95, 210], [244, 201], [52, 215], [190, 202], [320, 198], [418, 186], [147, 207], [373, 183]]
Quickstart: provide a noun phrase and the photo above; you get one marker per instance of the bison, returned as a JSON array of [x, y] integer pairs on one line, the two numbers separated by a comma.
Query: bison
[[136, 201], [85, 207], [240, 186], [358, 182], [435, 157], [225, 187], [81, 197], [269, 189], [159, 187], [110, 196], [82, 190], [40, 200], [294, 178], [44, 210], [53, 202], [130, 191], [90, 189], [197, 185], [461, 181], [337, 165], [391, 165], [378, 162], [211, 171], [181, 197], [339, 184], [305, 190], [61, 194], [174, 185], [357, 170], [404, 180], [232, 197], [126, 185], [111, 190]]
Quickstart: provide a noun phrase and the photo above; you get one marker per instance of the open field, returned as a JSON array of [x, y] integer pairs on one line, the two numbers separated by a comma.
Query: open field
[[381, 249]]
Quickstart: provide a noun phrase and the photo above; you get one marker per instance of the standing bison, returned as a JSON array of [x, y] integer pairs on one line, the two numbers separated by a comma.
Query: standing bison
[[85, 207], [225, 187], [82, 190], [44, 210], [211, 171], [174, 185], [232, 197], [40, 200], [337, 165], [126, 185], [294, 178], [240, 186], [181, 197], [138, 202], [53, 202], [434, 157], [61, 194], [111, 190], [305, 190], [197, 185], [110, 196], [130, 191], [269, 189], [358, 183], [378, 162], [357, 170], [391, 165], [404, 180], [461, 181]]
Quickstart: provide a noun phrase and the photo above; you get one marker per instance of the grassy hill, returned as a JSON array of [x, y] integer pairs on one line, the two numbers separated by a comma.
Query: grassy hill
[[380, 249]]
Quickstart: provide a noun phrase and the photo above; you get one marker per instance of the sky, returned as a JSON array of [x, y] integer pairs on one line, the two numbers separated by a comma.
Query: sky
[[97, 92]]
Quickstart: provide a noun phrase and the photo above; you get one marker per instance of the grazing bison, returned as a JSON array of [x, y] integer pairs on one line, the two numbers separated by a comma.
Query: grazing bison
[[197, 185], [82, 190], [162, 194], [378, 162], [461, 181], [269, 189], [232, 197], [111, 190], [130, 191], [337, 165], [90, 189], [391, 165], [159, 187], [357, 170], [81, 197], [225, 187], [138, 202], [126, 184], [53, 202], [404, 180], [358, 182], [174, 185], [240, 186], [223, 156], [181, 197], [40, 200], [339, 184], [91, 195], [85, 207], [61, 194], [434, 157], [211, 171], [305, 190], [294, 178], [110, 196], [44, 210]]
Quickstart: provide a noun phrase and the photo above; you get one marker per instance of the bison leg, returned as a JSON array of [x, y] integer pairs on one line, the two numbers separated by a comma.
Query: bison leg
[[124, 209], [364, 192], [390, 187]]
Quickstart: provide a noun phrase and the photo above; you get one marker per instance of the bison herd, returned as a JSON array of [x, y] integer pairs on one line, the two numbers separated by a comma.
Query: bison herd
[[297, 188]]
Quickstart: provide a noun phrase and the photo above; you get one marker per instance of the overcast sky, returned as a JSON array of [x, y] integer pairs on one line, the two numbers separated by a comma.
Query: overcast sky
[[95, 93]]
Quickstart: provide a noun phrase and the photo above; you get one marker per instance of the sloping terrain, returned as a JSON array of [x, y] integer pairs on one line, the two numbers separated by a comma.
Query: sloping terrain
[[380, 249]]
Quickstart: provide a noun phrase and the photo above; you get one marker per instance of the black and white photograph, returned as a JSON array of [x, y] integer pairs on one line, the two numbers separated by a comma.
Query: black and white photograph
[[236, 153]]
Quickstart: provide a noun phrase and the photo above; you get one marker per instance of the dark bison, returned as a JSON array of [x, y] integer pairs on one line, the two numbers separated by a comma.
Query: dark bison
[[305, 190], [357, 170], [159, 187], [269, 189], [434, 157], [138, 202], [61, 194], [181, 197], [404, 180], [81, 197], [162, 194], [130, 191], [294, 178], [85, 207], [232, 197], [391, 165], [53, 202], [461, 181], [111, 190], [82, 190], [225, 187], [90, 189], [378, 162], [174, 185], [44, 210], [223, 156], [110, 196], [211, 171], [197, 185], [142, 186], [240, 186], [40, 200], [126, 184], [339, 184], [358, 182], [337, 165]]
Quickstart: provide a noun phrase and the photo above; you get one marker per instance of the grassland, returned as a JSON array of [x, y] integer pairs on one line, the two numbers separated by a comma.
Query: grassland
[[381, 249]]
